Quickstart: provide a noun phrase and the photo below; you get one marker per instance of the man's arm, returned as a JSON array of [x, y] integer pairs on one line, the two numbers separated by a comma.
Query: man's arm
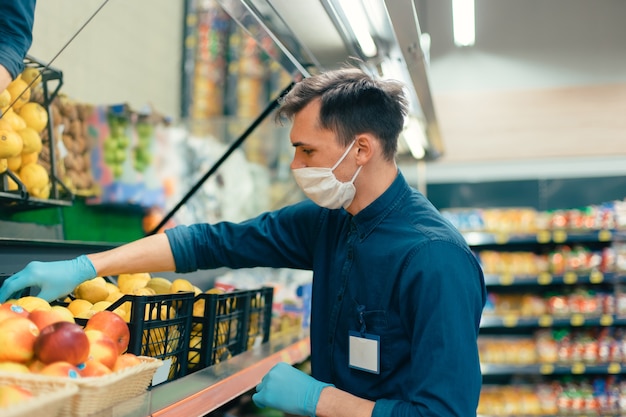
[[149, 254], [336, 403], [16, 25]]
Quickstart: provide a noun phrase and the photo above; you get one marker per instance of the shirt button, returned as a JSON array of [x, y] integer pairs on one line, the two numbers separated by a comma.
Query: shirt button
[[339, 297], [330, 339]]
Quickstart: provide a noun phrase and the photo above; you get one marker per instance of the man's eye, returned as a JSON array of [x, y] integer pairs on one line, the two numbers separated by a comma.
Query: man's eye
[[307, 151]]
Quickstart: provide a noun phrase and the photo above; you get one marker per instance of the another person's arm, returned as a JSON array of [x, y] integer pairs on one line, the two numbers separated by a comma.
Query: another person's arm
[[16, 25]]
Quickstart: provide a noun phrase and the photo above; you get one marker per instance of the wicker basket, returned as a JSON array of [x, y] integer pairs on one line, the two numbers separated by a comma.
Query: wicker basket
[[48, 402], [94, 393]]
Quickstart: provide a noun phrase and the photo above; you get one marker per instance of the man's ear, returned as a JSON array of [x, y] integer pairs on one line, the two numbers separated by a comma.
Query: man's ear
[[366, 146]]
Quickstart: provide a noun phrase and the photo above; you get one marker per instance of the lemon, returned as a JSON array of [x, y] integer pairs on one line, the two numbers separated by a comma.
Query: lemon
[[79, 307], [35, 178], [4, 165], [14, 163], [32, 303], [14, 120], [19, 89], [10, 144], [5, 99], [127, 283], [29, 74], [181, 284], [29, 158], [31, 139], [65, 312], [92, 291], [160, 285], [100, 305], [34, 115]]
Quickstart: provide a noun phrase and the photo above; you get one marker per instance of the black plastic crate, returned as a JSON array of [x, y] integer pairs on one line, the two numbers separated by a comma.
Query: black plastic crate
[[227, 324], [160, 327]]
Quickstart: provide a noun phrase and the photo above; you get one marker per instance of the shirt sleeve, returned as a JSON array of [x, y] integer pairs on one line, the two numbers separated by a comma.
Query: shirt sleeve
[[442, 306], [16, 25], [278, 239]]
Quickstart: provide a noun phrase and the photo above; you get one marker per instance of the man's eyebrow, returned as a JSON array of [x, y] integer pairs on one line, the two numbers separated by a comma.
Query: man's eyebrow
[[296, 144]]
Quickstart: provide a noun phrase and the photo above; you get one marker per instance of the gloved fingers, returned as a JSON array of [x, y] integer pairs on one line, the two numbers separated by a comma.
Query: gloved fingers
[[12, 285], [50, 294], [258, 400]]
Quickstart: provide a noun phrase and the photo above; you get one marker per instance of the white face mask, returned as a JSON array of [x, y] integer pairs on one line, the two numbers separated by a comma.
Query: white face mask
[[321, 185]]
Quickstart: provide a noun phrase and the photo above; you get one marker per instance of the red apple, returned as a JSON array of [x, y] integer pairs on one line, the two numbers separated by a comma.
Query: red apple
[[60, 368], [17, 339], [44, 318], [11, 394], [62, 341], [92, 367], [112, 325], [12, 310], [101, 347], [126, 360]]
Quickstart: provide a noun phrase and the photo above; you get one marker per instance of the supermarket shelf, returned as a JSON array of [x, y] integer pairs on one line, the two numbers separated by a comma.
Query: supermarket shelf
[[543, 236], [545, 278], [578, 368], [208, 389], [591, 414], [575, 320]]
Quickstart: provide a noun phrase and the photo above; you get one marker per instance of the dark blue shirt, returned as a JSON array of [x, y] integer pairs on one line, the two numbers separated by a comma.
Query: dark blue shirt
[[397, 267], [16, 24]]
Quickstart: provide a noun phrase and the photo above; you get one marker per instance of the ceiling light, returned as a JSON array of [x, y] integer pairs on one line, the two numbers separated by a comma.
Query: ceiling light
[[463, 22], [357, 19]]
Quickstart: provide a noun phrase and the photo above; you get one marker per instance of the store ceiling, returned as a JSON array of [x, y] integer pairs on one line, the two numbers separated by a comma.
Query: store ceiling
[[546, 78]]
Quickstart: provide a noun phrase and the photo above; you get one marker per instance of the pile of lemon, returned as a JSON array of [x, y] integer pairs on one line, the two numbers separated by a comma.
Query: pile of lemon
[[21, 123], [99, 294]]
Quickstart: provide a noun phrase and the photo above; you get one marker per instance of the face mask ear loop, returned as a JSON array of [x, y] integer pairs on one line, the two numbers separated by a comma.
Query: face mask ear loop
[[356, 173], [343, 156]]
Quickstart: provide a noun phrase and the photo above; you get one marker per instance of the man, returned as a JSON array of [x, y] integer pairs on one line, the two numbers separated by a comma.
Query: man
[[397, 294], [16, 25]]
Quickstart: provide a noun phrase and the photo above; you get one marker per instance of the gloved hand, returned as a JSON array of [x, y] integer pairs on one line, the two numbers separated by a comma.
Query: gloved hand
[[55, 279], [290, 390]]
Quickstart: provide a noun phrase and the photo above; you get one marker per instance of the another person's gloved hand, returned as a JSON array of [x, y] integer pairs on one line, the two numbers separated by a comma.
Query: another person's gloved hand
[[55, 279], [290, 390]]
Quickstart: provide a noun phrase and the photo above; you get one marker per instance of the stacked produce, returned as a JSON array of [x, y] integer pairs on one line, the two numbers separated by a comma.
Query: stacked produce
[[69, 122], [22, 124], [41, 339]]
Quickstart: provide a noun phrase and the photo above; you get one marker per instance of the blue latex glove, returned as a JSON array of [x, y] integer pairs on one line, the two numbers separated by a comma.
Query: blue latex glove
[[290, 390], [55, 279]]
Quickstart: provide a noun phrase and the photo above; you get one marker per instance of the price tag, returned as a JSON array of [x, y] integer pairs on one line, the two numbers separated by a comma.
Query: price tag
[[577, 320], [510, 320], [559, 236], [546, 369], [506, 279], [614, 368], [606, 320], [570, 278], [543, 236], [578, 368], [545, 320], [605, 235], [544, 278], [596, 277]]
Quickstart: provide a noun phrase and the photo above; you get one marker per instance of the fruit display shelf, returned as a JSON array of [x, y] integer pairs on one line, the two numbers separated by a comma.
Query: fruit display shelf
[[60, 195]]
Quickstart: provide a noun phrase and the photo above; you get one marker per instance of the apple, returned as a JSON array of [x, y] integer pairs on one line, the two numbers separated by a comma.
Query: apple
[[92, 367], [101, 347], [112, 325], [44, 318], [12, 310], [17, 339], [126, 360], [62, 369], [62, 341], [11, 394]]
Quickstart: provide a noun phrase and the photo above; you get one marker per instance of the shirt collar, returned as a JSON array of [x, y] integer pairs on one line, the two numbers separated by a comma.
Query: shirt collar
[[367, 219]]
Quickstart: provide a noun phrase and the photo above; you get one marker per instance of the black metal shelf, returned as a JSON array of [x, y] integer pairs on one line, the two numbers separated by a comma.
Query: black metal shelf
[[546, 278], [60, 194], [543, 237], [577, 368], [575, 320]]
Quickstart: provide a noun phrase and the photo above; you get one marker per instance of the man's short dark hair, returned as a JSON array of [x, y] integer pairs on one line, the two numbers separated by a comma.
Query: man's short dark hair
[[352, 103]]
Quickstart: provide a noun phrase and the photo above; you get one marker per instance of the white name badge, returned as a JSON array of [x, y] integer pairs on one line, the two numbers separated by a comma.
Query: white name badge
[[364, 351]]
